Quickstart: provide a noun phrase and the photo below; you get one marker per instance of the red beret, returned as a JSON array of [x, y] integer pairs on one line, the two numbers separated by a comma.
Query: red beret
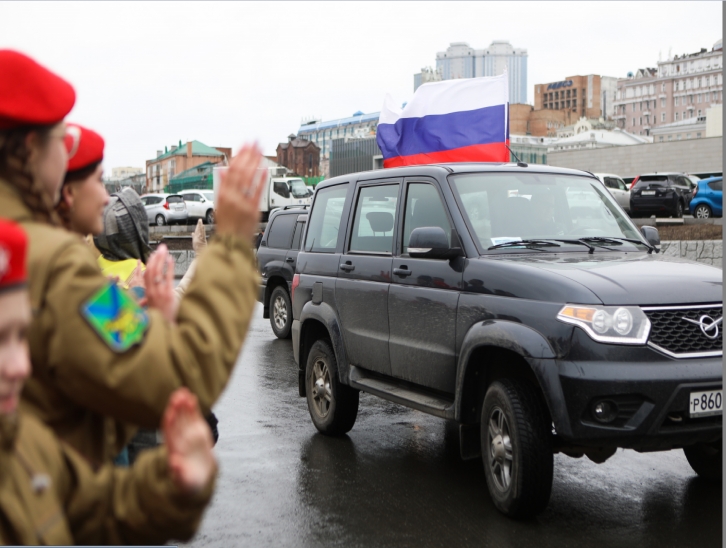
[[13, 244], [84, 146], [30, 94]]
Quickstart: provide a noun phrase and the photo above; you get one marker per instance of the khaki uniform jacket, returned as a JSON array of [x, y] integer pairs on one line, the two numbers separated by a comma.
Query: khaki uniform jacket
[[49, 494], [88, 393]]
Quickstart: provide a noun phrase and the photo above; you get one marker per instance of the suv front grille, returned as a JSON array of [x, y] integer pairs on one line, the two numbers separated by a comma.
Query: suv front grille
[[673, 334]]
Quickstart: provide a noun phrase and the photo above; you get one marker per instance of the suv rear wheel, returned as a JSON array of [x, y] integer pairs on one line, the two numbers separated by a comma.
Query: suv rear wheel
[[280, 313], [706, 459], [333, 406], [679, 210], [516, 448]]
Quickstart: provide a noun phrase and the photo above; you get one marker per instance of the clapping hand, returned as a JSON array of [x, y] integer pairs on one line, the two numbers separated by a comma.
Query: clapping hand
[[159, 278], [188, 441]]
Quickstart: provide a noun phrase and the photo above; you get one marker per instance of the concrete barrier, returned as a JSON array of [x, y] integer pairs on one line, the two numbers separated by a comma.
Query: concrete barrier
[[703, 251]]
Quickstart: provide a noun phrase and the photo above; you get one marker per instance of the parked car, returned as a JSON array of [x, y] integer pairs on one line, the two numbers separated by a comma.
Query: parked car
[[661, 193], [617, 188], [276, 260], [165, 209], [200, 204], [520, 302], [708, 198]]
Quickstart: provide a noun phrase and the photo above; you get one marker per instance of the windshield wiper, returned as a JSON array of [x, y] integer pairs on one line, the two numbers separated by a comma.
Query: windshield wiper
[[618, 241], [590, 248], [529, 244]]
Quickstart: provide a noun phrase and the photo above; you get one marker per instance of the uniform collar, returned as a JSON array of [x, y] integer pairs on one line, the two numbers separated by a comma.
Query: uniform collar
[[11, 204], [8, 432]]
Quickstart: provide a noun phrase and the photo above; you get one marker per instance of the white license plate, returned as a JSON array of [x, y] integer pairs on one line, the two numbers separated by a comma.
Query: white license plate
[[649, 193], [702, 404]]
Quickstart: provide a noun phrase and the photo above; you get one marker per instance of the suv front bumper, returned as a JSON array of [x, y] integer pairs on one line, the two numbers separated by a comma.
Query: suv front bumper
[[651, 399]]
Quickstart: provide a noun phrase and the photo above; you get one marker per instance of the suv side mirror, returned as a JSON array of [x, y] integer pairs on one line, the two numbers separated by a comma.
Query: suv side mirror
[[651, 236], [430, 242]]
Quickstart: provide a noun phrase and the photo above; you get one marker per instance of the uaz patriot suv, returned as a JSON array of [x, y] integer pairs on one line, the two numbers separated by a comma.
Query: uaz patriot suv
[[519, 301]]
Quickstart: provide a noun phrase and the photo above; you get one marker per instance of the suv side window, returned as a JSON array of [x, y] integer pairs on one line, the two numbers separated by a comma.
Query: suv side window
[[423, 208], [611, 182], [375, 218], [299, 227], [324, 221], [191, 197], [280, 234]]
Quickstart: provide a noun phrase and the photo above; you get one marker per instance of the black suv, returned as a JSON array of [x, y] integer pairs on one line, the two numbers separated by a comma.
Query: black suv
[[519, 301], [654, 193], [276, 258]]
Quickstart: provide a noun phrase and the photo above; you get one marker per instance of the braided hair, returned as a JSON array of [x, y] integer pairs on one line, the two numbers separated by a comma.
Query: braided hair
[[15, 169]]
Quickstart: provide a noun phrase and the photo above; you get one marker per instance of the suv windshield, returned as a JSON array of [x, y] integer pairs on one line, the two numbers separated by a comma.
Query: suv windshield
[[509, 207], [298, 188]]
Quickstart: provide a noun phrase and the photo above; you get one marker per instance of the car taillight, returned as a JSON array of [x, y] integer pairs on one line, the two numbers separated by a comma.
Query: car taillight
[[295, 283], [166, 205]]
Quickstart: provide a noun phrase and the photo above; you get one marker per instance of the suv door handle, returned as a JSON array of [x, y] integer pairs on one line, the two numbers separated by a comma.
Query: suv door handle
[[290, 260], [403, 272], [347, 267]]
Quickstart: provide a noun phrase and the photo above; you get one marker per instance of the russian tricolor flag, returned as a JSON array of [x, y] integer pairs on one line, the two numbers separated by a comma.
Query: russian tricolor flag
[[452, 121]]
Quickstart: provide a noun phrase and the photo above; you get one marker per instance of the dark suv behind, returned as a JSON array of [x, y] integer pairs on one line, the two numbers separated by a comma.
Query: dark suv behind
[[661, 193], [276, 259], [521, 302]]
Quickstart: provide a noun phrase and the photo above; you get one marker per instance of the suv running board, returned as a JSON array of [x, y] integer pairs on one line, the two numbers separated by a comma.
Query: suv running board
[[401, 392]]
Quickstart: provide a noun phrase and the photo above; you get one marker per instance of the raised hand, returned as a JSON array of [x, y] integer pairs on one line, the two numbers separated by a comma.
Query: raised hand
[[188, 441], [159, 277], [199, 238], [238, 195]]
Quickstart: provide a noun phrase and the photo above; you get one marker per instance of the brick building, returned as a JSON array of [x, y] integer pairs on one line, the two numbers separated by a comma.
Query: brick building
[[300, 156], [591, 96], [681, 88], [526, 120], [180, 158]]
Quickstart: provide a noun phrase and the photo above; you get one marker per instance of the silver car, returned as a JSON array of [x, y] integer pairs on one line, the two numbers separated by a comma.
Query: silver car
[[617, 188], [200, 204], [163, 209]]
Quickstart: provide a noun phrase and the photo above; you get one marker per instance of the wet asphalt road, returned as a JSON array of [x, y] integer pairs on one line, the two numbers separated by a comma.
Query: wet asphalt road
[[397, 479]]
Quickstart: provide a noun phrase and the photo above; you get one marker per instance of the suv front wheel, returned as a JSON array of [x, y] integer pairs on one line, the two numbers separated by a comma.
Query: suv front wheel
[[333, 406], [516, 448], [280, 313], [706, 459]]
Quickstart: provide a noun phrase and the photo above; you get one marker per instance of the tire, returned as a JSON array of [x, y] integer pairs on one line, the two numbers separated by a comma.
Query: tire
[[706, 459], [333, 406], [280, 312], [160, 220], [209, 217], [702, 211], [519, 477], [679, 210]]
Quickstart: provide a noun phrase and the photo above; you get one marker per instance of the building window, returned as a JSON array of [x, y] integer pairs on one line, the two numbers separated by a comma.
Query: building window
[[662, 101], [699, 113], [662, 116], [670, 137], [574, 102], [698, 135], [640, 121], [662, 86], [678, 137], [633, 107], [574, 93], [688, 135], [675, 101], [633, 121], [660, 139]]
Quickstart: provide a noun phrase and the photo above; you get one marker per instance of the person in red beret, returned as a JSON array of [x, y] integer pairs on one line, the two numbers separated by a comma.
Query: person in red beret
[[102, 365], [50, 495], [83, 194]]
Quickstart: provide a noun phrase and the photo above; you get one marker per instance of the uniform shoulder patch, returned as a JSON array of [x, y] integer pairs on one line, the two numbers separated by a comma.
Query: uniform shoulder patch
[[116, 317]]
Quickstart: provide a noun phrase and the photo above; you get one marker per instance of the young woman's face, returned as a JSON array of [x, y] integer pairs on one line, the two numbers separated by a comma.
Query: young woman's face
[[14, 352], [86, 200], [49, 159]]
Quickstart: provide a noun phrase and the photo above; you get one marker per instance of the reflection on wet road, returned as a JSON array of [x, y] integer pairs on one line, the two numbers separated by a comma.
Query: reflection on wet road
[[397, 480]]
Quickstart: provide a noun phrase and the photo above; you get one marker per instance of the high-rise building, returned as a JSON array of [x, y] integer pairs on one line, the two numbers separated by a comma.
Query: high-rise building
[[681, 88], [426, 75], [462, 61]]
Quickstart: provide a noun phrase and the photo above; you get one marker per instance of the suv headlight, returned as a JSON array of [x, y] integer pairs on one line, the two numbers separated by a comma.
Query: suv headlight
[[609, 324]]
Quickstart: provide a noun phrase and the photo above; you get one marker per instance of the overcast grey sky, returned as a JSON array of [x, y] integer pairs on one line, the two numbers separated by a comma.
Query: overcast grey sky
[[148, 74]]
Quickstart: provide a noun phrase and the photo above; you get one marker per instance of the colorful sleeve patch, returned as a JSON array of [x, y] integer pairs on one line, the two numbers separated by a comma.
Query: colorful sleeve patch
[[116, 317]]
